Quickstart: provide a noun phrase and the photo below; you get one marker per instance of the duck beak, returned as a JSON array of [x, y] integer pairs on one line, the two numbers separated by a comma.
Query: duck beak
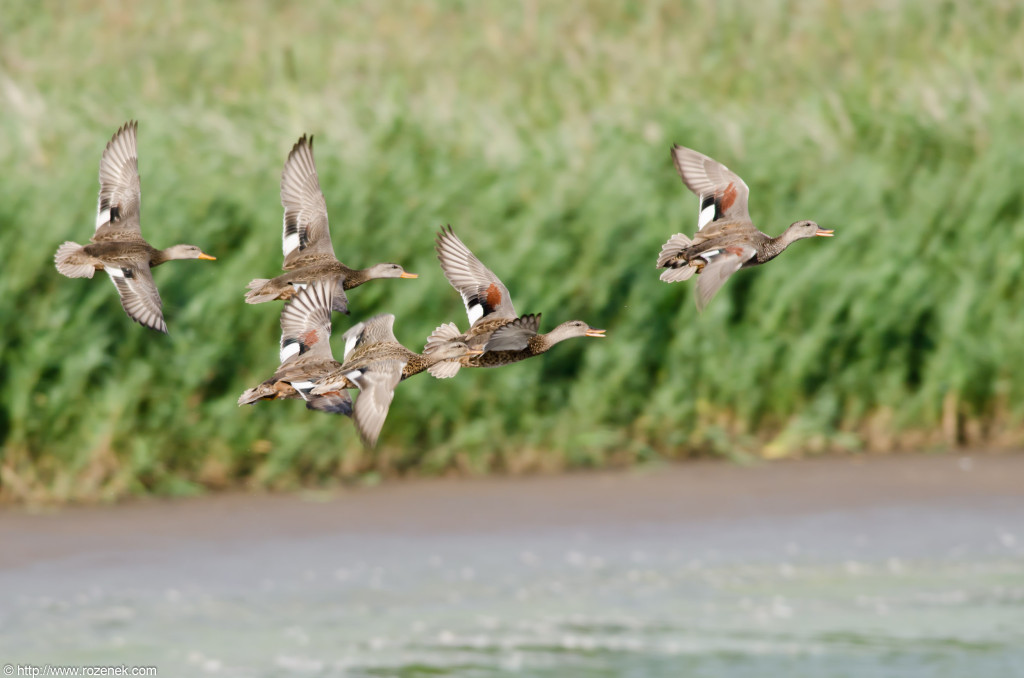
[[204, 255], [825, 232], [408, 275], [597, 334], [474, 351]]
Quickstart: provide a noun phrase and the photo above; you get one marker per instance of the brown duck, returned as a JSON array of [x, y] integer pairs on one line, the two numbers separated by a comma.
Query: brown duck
[[117, 245], [519, 340], [374, 363], [495, 327], [726, 239], [305, 353], [306, 242]]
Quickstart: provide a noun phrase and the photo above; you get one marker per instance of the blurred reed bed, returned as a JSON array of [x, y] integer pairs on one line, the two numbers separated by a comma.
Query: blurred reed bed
[[541, 133]]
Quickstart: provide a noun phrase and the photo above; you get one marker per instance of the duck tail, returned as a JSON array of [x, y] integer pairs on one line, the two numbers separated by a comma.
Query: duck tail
[[670, 258], [446, 369], [260, 290], [72, 262], [264, 391], [441, 336]]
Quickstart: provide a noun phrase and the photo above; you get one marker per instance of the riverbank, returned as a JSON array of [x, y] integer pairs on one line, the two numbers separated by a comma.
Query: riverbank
[[684, 493]]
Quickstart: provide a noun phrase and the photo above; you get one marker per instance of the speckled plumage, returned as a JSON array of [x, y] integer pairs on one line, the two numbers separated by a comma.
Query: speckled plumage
[[726, 239], [305, 353], [306, 239], [375, 362], [117, 245], [495, 328]]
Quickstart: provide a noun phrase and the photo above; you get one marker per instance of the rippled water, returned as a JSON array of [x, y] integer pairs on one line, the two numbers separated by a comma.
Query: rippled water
[[897, 591]]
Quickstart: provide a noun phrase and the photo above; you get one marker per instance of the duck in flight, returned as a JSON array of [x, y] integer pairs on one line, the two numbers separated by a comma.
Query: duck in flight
[[726, 239], [305, 353], [306, 241], [495, 329], [374, 363], [117, 245]]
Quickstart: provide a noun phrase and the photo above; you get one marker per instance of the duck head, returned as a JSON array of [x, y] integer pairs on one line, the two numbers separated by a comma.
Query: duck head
[[799, 230], [573, 328], [186, 252], [388, 270]]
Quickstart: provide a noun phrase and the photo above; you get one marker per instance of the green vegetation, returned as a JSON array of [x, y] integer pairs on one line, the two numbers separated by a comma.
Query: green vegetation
[[541, 132]]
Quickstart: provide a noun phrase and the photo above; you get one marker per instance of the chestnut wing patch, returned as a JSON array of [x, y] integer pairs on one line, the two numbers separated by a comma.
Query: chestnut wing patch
[[306, 320], [493, 297], [714, 206], [483, 303], [310, 338]]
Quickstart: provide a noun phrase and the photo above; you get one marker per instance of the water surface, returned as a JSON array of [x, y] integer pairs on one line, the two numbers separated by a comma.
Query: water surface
[[900, 584]]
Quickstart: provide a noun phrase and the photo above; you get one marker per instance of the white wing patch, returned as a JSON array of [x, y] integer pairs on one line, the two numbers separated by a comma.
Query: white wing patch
[[290, 350], [103, 218], [289, 243], [303, 387], [707, 215], [114, 272], [710, 254], [475, 312], [354, 375], [350, 344]]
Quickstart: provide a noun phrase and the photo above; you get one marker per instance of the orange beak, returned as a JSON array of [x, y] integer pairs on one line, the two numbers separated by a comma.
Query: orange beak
[[474, 351], [597, 334], [203, 255], [824, 232], [408, 275]]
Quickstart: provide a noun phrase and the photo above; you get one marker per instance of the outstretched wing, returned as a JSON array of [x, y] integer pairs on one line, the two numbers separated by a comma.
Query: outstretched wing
[[306, 230], [306, 322], [723, 195], [117, 216], [333, 403], [514, 336], [376, 330], [718, 270], [482, 292], [139, 297], [376, 390]]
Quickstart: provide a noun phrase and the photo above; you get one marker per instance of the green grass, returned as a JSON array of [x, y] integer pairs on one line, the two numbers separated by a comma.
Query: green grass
[[541, 132]]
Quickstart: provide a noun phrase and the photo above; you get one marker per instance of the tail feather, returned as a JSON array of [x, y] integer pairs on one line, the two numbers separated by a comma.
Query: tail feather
[[268, 390], [678, 274], [72, 262], [441, 336], [251, 396], [446, 369], [260, 291], [678, 268], [672, 249]]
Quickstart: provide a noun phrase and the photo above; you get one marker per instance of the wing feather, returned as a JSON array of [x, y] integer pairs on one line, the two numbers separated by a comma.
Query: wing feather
[[139, 296], [120, 200], [718, 271], [723, 194], [306, 322], [516, 335], [376, 391], [482, 292], [306, 230]]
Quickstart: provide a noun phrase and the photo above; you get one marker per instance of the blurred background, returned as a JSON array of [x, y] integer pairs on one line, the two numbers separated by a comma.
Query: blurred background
[[541, 133]]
